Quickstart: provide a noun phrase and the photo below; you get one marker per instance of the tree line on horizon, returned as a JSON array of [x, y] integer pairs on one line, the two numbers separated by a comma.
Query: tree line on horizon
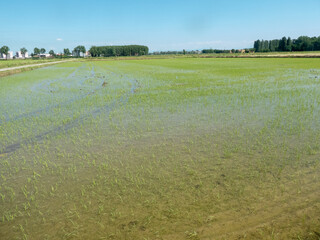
[[246, 50], [66, 52], [302, 43], [103, 51], [37, 51], [184, 52], [112, 51]]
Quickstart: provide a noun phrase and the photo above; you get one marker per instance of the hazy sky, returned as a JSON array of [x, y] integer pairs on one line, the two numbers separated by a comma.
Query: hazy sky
[[159, 24]]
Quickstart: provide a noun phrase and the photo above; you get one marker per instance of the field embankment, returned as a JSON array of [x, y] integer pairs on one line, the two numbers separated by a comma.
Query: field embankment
[[17, 67], [21, 62]]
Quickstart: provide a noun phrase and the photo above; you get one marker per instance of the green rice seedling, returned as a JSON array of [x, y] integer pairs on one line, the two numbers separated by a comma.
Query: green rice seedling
[[160, 148]]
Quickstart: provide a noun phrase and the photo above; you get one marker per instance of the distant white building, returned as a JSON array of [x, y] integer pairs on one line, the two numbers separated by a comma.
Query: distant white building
[[10, 55], [19, 54], [44, 55], [75, 54], [4, 56], [81, 54]]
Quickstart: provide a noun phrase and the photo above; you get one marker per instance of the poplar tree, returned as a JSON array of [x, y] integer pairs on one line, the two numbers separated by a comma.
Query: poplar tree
[[289, 45], [283, 44]]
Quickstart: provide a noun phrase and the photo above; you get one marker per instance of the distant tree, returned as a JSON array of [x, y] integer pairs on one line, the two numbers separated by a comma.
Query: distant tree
[[313, 43], [23, 51], [94, 51], [257, 45], [289, 45], [266, 46], [66, 52], [51, 52], [184, 52], [270, 46], [283, 44], [5, 50], [261, 47], [83, 50], [42, 51], [126, 50], [221, 51], [79, 49], [36, 51], [113, 51], [302, 43], [273, 45], [317, 44]]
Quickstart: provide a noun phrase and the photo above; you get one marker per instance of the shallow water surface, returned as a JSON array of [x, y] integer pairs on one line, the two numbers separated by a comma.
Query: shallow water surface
[[161, 149]]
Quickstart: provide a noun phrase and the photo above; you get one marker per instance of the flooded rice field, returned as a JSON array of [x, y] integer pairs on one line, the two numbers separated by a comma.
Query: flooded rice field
[[161, 149]]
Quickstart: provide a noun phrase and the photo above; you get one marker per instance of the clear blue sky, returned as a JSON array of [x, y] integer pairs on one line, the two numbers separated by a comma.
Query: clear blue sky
[[159, 24]]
